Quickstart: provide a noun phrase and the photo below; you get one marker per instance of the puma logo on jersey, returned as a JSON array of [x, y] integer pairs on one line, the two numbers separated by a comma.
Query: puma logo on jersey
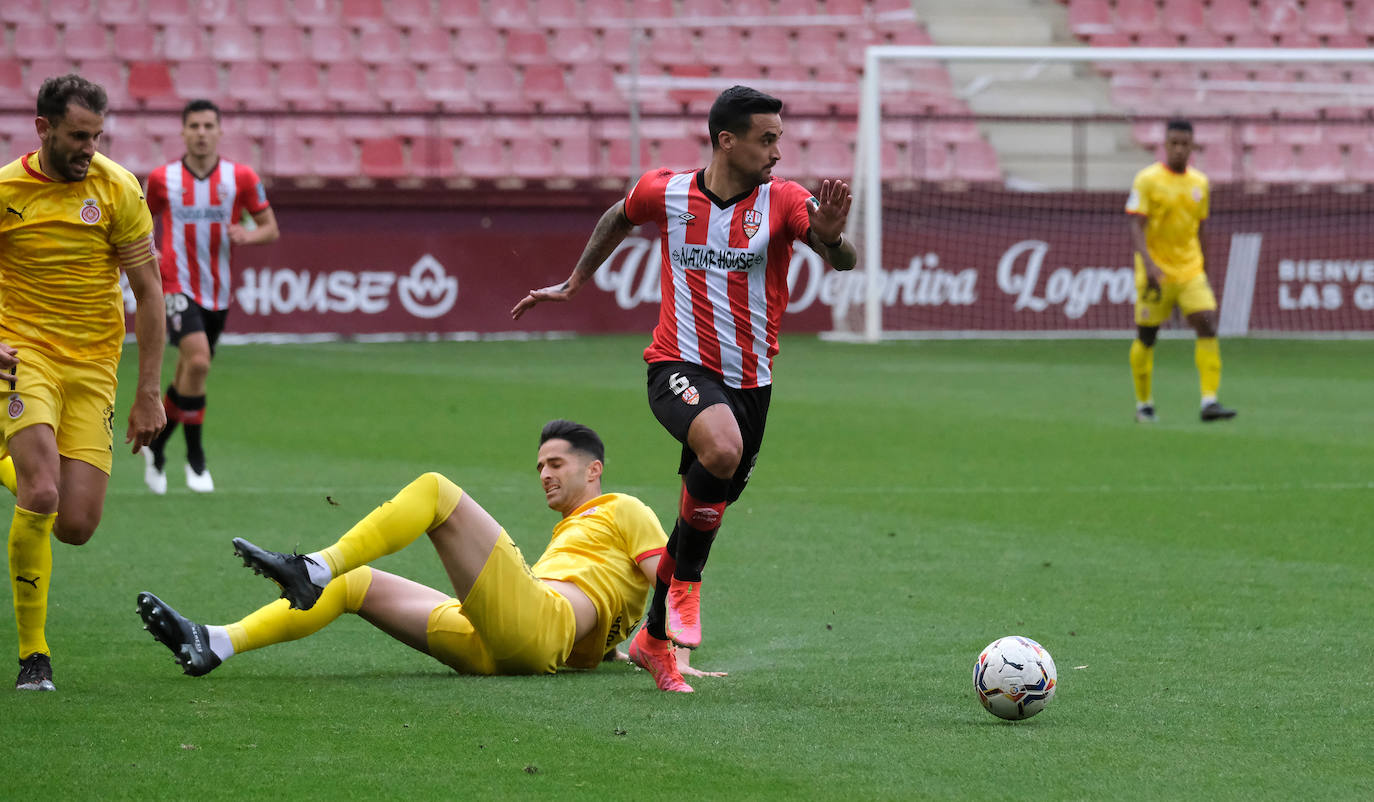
[[33, 581], [16, 212]]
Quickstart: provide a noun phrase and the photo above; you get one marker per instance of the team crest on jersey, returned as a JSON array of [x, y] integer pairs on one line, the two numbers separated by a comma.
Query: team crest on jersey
[[16, 406], [752, 219], [589, 513], [691, 396], [90, 213], [1197, 194]]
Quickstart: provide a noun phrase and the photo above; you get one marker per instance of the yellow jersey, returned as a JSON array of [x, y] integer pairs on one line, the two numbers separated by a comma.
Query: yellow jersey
[[1174, 205], [598, 547], [59, 275]]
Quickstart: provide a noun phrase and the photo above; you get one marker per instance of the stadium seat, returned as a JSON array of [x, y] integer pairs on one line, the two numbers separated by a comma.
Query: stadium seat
[[596, 12], [429, 45], [333, 155], [409, 13], [649, 11], [283, 43], [544, 86], [211, 12], [498, 86], [234, 41], [36, 41], [511, 14], [1218, 162], [109, 73], [12, 91], [381, 45], [331, 44], [22, 10], [826, 159], [1320, 163], [618, 161], [579, 160], [1272, 164], [1183, 17], [768, 45], [382, 158], [1298, 133], [459, 14], [264, 13], [527, 47], [119, 11], [184, 42], [86, 40], [681, 154], [1361, 166], [480, 45], [1136, 16], [314, 12], [594, 84], [670, 47], [818, 45], [1088, 17], [362, 14], [285, 154], [931, 161], [532, 158], [298, 83], [976, 161], [1362, 18], [195, 79], [432, 157], [1279, 16], [65, 11], [1326, 18], [1231, 17], [483, 159], [241, 148], [398, 87], [571, 45], [1345, 132], [150, 82], [346, 83], [136, 41], [558, 13], [447, 84], [251, 85], [43, 68]]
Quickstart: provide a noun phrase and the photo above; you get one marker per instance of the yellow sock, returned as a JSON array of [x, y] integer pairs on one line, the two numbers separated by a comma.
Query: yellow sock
[[1142, 369], [419, 507], [30, 571], [278, 623], [7, 477], [1207, 354]]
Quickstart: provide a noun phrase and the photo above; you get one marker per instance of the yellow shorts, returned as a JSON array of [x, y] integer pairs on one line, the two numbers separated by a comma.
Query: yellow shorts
[[511, 623], [1153, 308], [75, 398]]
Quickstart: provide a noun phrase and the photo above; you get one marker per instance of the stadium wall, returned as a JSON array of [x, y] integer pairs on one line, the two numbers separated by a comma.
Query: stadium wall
[[433, 264]]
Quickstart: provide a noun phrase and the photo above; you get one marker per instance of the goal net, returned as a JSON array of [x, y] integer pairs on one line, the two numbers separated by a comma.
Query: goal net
[[990, 188]]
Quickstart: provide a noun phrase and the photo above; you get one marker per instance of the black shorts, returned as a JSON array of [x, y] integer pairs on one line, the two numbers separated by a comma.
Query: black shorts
[[679, 391], [185, 316]]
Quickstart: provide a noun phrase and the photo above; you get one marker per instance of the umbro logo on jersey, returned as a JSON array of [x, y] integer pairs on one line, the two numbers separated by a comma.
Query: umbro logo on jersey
[[16, 212], [686, 217]]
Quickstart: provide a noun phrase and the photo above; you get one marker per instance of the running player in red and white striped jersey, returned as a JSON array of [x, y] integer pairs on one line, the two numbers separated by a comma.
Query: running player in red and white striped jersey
[[727, 233], [198, 201]]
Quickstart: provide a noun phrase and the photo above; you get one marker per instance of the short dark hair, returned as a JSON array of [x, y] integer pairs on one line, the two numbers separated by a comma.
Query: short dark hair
[[734, 109], [1178, 124], [580, 437], [58, 92], [199, 104]]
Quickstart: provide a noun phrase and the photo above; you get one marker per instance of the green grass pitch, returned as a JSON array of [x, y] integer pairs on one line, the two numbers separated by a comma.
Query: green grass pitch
[[1204, 589]]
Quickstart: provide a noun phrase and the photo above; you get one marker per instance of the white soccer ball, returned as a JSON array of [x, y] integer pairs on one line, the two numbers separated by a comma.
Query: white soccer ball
[[1014, 677]]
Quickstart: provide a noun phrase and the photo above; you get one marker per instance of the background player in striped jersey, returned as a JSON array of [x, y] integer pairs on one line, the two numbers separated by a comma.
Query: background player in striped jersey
[[199, 201], [584, 595], [72, 219], [726, 235], [1168, 203]]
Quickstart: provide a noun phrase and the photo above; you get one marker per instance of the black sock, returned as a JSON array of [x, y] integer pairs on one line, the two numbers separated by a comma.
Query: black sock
[[694, 545], [159, 444], [657, 618], [193, 420]]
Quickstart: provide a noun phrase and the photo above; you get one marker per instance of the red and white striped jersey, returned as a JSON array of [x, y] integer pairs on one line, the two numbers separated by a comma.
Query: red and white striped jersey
[[723, 274], [195, 214]]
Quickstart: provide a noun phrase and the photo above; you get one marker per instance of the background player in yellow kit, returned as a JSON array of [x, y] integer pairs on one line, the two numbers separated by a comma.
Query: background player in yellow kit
[[1168, 203], [584, 595], [72, 218]]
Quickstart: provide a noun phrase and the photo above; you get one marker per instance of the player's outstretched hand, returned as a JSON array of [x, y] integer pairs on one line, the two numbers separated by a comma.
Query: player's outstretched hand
[[8, 359], [830, 211], [556, 292], [684, 663], [146, 419]]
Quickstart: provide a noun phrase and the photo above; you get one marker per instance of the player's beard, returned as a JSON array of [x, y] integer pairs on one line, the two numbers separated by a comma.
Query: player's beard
[[62, 163]]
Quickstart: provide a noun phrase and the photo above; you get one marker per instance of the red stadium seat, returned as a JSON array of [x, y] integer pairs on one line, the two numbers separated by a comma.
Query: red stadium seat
[[511, 14], [334, 155], [1088, 17], [527, 47], [330, 44], [544, 85], [1272, 164], [579, 161], [212, 12], [109, 73], [498, 85], [44, 68], [159, 12], [616, 43], [241, 148], [1320, 163], [409, 13], [283, 43], [196, 79], [723, 47], [1362, 18], [460, 13], [447, 84], [36, 41], [532, 158], [1326, 18], [559, 13], [1346, 134], [429, 45], [250, 83], [70, 10], [118, 11], [346, 83], [398, 87], [573, 45], [1231, 17], [362, 13], [976, 161], [22, 11], [768, 45], [285, 155], [1218, 162], [828, 158], [670, 47], [648, 11], [594, 84], [12, 84], [595, 12], [381, 45], [483, 159], [1136, 16], [264, 13], [1362, 163], [182, 42], [480, 45], [1298, 134], [86, 40], [151, 81], [681, 154], [383, 158], [234, 41], [315, 12], [1279, 16], [136, 41], [431, 157], [298, 83], [618, 158]]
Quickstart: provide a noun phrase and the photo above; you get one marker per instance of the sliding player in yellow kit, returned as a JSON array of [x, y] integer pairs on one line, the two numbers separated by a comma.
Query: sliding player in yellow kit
[[1168, 203], [585, 594], [71, 220]]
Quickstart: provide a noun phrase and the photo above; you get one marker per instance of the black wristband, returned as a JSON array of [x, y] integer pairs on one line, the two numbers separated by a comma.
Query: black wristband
[[837, 243]]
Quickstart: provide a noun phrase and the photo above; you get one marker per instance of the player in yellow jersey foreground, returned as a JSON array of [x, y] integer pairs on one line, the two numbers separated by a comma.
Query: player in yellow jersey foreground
[[1168, 203], [71, 220], [583, 597]]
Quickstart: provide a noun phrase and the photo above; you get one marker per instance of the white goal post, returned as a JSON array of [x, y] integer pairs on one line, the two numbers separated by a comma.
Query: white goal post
[[1314, 107]]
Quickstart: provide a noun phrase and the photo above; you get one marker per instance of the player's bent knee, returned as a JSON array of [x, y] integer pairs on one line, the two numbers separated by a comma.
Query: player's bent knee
[[444, 493], [74, 533], [723, 457], [356, 584]]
